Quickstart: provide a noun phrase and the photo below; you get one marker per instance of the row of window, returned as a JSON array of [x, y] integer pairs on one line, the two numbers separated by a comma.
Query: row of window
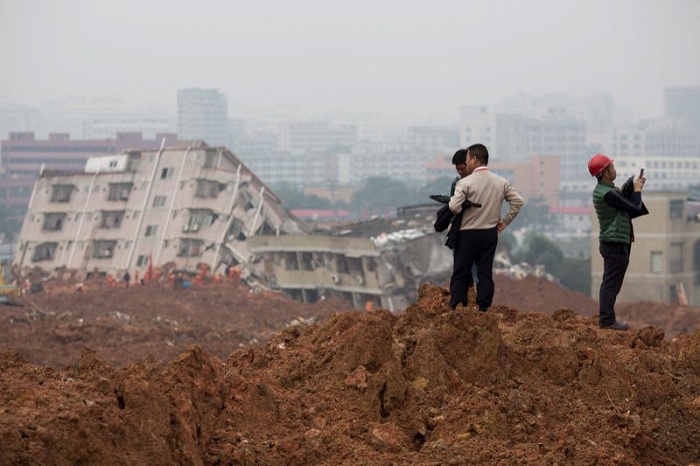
[[105, 249], [206, 189], [112, 219]]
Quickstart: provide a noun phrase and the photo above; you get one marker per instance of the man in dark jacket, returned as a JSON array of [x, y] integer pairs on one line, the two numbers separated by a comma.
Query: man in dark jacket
[[615, 212]]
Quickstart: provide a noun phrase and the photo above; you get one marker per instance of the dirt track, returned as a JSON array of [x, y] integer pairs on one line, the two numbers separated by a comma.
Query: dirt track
[[215, 375]]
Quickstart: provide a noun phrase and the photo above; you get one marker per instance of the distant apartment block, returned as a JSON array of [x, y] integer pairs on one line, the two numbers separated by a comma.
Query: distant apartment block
[[662, 137], [665, 253], [181, 205], [535, 178], [202, 114], [515, 138], [433, 138], [317, 137], [297, 169], [683, 102], [106, 128], [662, 173], [102, 117], [406, 166], [23, 156]]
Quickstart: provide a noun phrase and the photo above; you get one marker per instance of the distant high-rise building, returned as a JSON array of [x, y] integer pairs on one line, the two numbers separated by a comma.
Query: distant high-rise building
[[202, 114], [684, 102]]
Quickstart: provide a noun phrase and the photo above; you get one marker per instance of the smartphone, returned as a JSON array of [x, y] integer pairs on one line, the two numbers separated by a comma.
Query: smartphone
[[641, 172]]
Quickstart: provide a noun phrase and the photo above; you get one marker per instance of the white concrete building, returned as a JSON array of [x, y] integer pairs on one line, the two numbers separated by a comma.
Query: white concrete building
[[181, 205]]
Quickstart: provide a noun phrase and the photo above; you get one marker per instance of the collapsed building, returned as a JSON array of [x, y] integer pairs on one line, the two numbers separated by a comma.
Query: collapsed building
[[380, 262], [191, 206]]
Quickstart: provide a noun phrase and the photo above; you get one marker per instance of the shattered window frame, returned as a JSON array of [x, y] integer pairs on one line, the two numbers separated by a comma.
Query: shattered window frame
[[44, 252]]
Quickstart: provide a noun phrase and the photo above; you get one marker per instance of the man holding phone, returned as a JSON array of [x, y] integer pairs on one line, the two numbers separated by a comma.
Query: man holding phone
[[615, 212]]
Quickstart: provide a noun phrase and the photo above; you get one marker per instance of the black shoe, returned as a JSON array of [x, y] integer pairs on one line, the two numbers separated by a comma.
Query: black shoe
[[616, 326]]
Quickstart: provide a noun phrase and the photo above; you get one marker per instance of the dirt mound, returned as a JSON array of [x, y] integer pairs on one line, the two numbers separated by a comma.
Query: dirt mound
[[428, 386], [125, 325]]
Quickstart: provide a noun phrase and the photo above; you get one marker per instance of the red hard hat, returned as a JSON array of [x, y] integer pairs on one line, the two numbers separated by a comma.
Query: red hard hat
[[598, 163]]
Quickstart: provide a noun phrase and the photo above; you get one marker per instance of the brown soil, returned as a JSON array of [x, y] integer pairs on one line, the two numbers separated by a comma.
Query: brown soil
[[217, 375]]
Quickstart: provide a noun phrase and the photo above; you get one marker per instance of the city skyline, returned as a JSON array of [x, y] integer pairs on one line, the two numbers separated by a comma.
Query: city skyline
[[414, 60]]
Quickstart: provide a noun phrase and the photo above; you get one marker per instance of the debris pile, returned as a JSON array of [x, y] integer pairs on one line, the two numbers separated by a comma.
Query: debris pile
[[424, 386]]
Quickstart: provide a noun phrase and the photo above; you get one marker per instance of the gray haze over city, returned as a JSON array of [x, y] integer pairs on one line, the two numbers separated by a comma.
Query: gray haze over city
[[398, 59]]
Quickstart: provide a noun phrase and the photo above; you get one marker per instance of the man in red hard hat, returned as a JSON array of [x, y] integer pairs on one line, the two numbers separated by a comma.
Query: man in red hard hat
[[615, 212]]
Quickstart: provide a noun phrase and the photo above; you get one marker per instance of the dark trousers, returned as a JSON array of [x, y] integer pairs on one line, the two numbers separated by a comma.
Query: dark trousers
[[616, 257], [474, 247]]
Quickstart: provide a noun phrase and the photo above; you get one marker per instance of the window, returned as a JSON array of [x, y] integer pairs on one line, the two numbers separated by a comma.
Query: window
[[199, 218], [119, 191], [209, 159], [208, 189], [142, 261], [112, 164], [44, 252], [151, 230], [112, 218], [191, 247], [103, 249], [657, 262], [166, 173], [675, 259], [290, 261], [676, 208], [61, 192], [159, 201], [54, 221]]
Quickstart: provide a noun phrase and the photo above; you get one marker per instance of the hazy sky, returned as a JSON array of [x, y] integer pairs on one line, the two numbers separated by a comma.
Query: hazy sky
[[418, 58]]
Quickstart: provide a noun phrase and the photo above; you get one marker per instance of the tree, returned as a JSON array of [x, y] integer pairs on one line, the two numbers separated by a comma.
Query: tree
[[436, 186], [294, 198], [575, 274], [535, 214], [379, 194], [572, 273], [541, 250], [507, 242]]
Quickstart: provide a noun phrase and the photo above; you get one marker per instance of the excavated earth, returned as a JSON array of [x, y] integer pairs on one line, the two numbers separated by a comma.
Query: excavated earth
[[218, 375]]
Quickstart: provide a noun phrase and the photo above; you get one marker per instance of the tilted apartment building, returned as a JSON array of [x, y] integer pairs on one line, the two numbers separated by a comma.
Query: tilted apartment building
[[185, 205]]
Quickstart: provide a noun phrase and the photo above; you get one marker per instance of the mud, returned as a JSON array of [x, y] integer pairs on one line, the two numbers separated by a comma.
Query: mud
[[218, 375]]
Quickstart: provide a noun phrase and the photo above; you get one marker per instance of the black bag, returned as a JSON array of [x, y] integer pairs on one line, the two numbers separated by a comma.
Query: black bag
[[444, 218], [452, 235]]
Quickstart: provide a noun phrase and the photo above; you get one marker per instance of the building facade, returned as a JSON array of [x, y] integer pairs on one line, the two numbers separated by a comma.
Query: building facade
[[665, 253], [535, 178], [202, 114], [185, 206]]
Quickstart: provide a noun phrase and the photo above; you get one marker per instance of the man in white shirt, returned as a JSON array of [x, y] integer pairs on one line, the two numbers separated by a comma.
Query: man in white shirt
[[478, 235]]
